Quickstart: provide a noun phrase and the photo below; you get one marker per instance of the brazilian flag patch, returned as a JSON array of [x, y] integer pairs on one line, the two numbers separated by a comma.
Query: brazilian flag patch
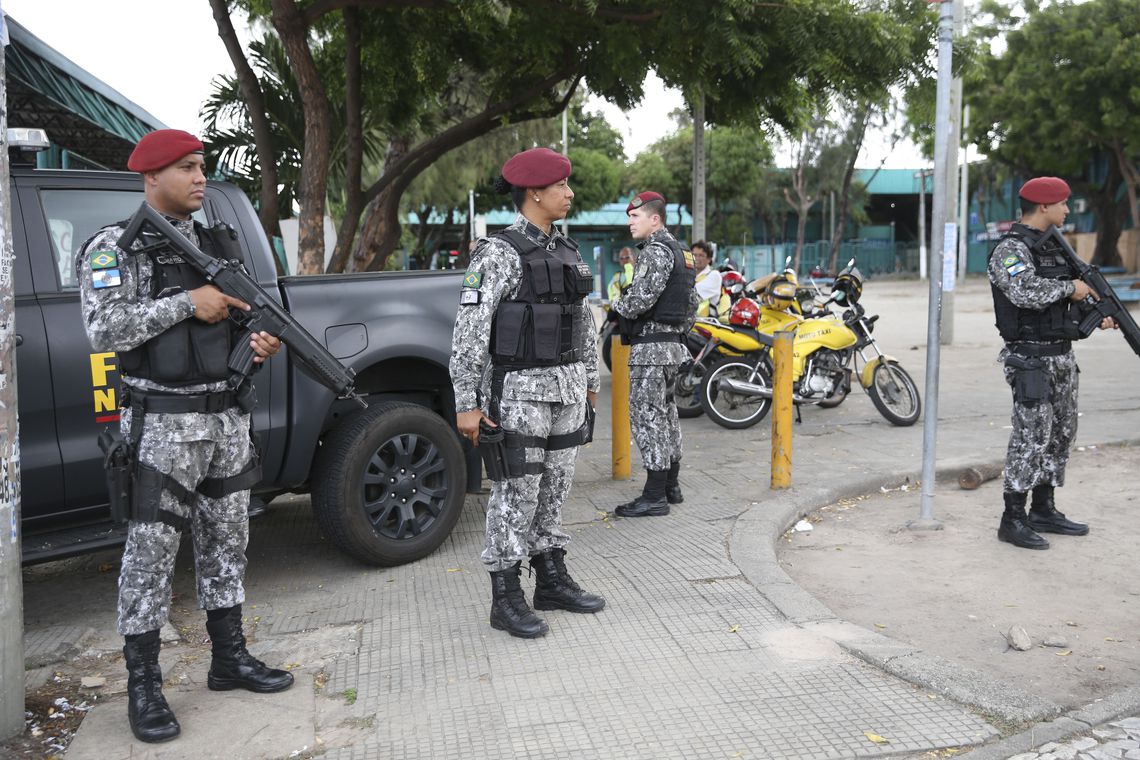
[[1014, 265], [104, 260], [472, 279]]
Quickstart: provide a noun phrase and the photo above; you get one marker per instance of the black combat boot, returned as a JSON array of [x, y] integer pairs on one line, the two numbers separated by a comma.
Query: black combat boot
[[1044, 517], [673, 493], [652, 502], [1013, 529], [150, 716], [509, 610], [232, 666], [554, 589]]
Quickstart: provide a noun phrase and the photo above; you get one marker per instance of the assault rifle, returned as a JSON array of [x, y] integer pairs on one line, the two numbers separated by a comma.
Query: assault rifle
[[1109, 304], [265, 314]]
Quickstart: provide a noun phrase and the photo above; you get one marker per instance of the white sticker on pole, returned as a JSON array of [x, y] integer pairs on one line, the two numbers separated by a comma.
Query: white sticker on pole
[[949, 254]]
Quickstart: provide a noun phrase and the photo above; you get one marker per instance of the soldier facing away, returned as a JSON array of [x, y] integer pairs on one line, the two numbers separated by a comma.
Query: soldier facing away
[[656, 311], [525, 372], [195, 460], [1038, 307]]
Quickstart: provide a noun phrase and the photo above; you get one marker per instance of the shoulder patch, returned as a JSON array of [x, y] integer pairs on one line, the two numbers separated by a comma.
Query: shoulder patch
[[1014, 265], [472, 279], [106, 278], [469, 297], [104, 260], [689, 263]]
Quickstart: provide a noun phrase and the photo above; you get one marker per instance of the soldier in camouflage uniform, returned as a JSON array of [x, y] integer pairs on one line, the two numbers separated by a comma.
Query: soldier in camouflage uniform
[[195, 460], [1038, 306], [656, 313], [524, 365]]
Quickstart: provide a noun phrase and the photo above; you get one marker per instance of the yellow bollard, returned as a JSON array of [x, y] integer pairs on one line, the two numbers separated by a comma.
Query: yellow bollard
[[782, 411], [619, 398]]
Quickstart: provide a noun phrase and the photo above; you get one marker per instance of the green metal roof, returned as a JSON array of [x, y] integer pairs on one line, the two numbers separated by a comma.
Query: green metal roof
[[80, 113], [891, 181]]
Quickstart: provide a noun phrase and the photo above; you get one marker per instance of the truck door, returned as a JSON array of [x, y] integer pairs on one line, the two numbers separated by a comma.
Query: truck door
[[60, 216], [41, 472]]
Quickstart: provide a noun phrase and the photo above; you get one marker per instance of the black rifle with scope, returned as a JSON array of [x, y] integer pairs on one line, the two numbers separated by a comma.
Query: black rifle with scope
[[1109, 304], [264, 315]]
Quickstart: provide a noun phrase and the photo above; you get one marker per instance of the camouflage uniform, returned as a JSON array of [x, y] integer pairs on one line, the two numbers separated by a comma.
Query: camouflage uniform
[[653, 366], [119, 314], [1043, 433], [524, 514]]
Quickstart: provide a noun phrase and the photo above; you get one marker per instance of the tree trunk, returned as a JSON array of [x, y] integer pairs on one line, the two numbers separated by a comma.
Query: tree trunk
[[269, 201], [290, 25], [859, 131], [381, 231], [1109, 214], [421, 233], [354, 142]]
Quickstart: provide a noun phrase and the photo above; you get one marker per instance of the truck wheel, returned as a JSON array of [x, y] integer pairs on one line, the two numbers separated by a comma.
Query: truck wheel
[[389, 483]]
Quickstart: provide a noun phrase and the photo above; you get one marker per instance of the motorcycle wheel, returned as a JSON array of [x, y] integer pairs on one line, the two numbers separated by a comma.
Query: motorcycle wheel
[[687, 390], [894, 394], [729, 409]]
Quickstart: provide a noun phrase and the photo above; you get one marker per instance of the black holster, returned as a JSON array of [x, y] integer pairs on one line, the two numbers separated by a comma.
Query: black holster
[[493, 449], [119, 465], [1030, 383]]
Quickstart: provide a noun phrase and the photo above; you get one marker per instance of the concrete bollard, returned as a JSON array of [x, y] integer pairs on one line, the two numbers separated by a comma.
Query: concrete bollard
[[782, 410], [619, 392]]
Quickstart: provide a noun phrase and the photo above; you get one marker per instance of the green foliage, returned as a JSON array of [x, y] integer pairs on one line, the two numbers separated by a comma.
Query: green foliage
[[596, 180]]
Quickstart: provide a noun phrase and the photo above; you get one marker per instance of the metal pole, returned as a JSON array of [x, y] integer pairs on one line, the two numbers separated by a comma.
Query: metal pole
[[619, 408], [565, 152], [923, 251], [11, 582], [699, 168], [926, 519], [471, 213], [949, 268], [964, 203], [782, 410]]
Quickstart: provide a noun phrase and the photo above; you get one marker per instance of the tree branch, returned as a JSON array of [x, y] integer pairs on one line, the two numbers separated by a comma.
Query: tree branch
[[314, 12]]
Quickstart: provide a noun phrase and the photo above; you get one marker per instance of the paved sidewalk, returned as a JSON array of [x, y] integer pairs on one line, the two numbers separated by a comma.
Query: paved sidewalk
[[706, 649]]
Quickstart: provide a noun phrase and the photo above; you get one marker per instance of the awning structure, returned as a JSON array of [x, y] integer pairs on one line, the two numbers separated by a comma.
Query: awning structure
[[87, 121]]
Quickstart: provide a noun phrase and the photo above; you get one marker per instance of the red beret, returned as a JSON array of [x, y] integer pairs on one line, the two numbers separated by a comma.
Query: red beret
[[1045, 190], [159, 149], [642, 198], [537, 167]]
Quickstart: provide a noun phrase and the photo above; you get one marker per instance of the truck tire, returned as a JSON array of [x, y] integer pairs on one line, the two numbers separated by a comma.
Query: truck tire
[[389, 483]]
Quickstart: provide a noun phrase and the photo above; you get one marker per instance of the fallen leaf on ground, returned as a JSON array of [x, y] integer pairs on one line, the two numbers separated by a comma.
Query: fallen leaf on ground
[[734, 629], [879, 625], [876, 738], [1066, 653]]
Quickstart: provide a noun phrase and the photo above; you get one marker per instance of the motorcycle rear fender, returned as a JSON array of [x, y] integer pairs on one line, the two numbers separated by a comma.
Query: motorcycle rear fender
[[867, 376]]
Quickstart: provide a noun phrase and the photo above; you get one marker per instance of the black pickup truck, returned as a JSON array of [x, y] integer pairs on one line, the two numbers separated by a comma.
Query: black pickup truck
[[387, 482]]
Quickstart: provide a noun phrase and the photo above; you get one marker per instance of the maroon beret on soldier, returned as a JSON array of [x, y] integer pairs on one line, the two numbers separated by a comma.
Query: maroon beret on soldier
[[1045, 190], [537, 167], [642, 198], [161, 148]]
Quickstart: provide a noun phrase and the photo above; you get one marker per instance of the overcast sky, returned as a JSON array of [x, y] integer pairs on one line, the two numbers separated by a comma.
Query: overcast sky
[[163, 54]]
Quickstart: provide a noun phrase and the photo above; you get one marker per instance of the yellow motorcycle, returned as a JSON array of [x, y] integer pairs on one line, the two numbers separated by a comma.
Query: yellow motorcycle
[[747, 329], [826, 351]]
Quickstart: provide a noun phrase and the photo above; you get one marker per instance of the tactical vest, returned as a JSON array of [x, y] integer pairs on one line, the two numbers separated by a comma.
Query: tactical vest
[[673, 306], [536, 327], [190, 352], [1057, 321]]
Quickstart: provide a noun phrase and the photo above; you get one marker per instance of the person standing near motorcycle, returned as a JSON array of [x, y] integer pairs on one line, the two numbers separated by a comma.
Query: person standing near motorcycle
[[1038, 306], [525, 373], [619, 283], [656, 313], [713, 301]]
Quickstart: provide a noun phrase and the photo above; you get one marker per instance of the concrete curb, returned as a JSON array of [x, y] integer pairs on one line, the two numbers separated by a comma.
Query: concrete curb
[[1121, 704], [752, 547]]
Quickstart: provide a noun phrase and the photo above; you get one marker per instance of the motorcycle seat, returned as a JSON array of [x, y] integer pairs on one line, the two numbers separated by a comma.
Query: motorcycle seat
[[755, 334]]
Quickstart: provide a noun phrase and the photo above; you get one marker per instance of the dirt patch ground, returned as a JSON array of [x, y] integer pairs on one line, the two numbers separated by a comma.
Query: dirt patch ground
[[957, 592]]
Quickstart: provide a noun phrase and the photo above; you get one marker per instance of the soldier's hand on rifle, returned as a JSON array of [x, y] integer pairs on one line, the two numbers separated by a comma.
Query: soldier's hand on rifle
[[1109, 323], [264, 346], [468, 424], [212, 305], [1081, 291]]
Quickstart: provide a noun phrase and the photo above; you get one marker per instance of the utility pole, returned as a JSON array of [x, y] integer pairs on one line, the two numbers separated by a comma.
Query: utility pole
[[11, 582], [950, 247], [923, 247], [964, 202], [699, 167], [942, 130], [565, 152]]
